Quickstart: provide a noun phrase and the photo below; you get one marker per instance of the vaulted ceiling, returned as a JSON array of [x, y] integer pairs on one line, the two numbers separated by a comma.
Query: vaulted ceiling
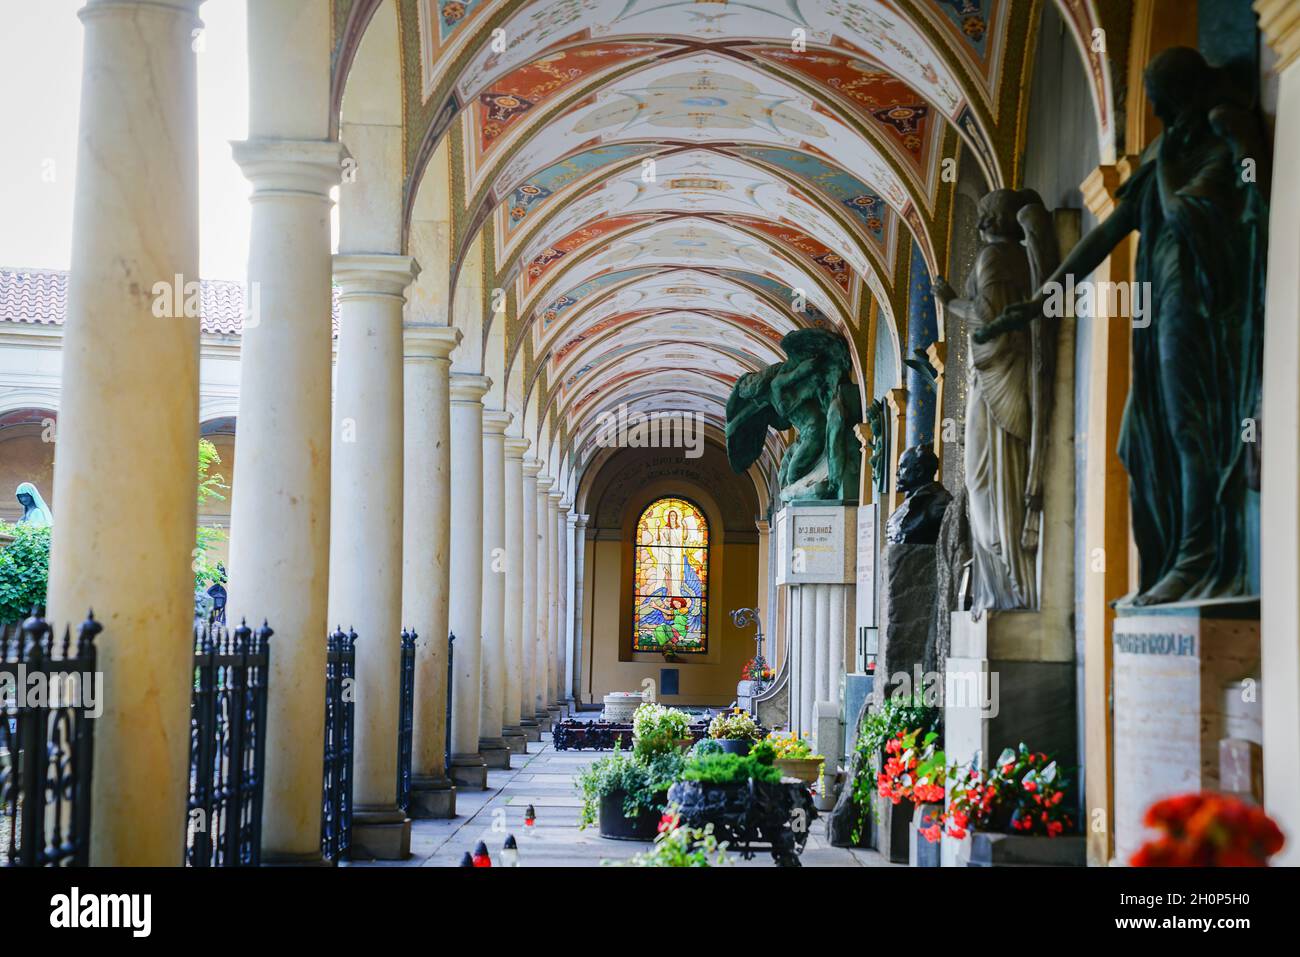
[[666, 187]]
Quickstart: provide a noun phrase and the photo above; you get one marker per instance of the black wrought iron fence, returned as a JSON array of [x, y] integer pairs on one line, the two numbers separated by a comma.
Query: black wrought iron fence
[[227, 746], [451, 652], [405, 719], [340, 722], [47, 729]]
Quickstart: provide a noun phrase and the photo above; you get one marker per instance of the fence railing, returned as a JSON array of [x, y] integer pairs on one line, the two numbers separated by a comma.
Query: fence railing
[[227, 746], [451, 652], [46, 743], [340, 725], [405, 719]]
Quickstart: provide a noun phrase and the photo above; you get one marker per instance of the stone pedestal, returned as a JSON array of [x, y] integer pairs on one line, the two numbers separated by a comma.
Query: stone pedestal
[[496, 757], [907, 615], [1172, 664], [816, 555], [432, 799], [516, 741], [468, 771], [531, 730], [382, 835]]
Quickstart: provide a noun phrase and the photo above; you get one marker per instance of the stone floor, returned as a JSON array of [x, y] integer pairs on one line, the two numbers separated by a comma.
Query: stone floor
[[544, 779]]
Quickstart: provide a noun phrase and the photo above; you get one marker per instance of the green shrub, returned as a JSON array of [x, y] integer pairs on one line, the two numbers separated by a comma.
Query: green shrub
[[643, 778], [728, 769], [24, 570], [656, 729]]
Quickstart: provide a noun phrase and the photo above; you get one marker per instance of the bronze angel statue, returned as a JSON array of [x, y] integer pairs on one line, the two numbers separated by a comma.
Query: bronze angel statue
[[1008, 401], [810, 391], [1199, 199]]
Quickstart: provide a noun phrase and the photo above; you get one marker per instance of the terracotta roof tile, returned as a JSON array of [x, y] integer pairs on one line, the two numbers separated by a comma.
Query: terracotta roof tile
[[40, 297]]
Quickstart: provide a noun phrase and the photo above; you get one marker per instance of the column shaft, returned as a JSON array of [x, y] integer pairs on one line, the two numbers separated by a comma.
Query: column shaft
[[466, 616], [426, 547], [529, 706], [545, 698], [514, 597], [124, 537], [579, 599], [493, 704], [556, 546], [366, 531]]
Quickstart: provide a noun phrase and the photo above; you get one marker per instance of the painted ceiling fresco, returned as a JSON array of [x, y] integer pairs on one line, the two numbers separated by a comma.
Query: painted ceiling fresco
[[671, 186]]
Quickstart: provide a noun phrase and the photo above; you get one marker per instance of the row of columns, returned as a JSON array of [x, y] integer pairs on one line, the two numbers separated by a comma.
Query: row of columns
[[375, 494]]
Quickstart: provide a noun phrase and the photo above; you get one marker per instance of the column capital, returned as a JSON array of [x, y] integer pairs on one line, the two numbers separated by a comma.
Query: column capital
[[565, 508], [516, 447], [185, 8], [469, 387], [370, 276], [429, 342], [555, 496], [305, 167], [1279, 21], [544, 483], [531, 467], [1100, 186], [580, 520], [496, 421], [763, 526]]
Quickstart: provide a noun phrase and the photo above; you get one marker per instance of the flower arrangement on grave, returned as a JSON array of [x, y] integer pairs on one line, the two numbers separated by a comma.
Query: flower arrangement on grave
[[1208, 830], [736, 725], [914, 769], [1023, 793], [756, 669], [898, 713]]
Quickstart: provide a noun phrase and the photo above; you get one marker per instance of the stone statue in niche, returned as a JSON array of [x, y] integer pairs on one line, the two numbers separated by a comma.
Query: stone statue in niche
[[878, 422], [811, 391], [1199, 199], [35, 511], [1008, 402], [917, 520]]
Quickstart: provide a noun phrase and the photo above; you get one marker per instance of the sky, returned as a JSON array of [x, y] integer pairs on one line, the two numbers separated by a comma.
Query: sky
[[40, 72]]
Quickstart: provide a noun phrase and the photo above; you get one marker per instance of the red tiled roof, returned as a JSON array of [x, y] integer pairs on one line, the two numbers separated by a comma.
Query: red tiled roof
[[40, 297]]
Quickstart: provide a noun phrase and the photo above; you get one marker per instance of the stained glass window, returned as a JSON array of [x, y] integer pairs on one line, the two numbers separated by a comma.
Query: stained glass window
[[670, 591]]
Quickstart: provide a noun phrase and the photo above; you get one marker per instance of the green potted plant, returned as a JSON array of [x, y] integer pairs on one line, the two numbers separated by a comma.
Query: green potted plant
[[626, 792], [677, 845], [735, 731]]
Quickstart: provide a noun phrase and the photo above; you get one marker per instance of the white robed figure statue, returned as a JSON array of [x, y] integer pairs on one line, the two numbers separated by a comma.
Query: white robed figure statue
[[1008, 398]]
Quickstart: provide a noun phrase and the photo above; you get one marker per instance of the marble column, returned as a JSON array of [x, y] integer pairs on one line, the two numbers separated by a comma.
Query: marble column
[[426, 545], [124, 537], [555, 662], [579, 596], [533, 715], [366, 532], [280, 504], [466, 765], [563, 545], [493, 704], [545, 532], [513, 507]]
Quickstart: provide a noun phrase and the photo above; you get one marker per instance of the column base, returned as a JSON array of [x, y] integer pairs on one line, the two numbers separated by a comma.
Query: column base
[[495, 753], [530, 730], [543, 721], [381, 834], [557, 715], [516, 742], [468, 771], [432, 798]]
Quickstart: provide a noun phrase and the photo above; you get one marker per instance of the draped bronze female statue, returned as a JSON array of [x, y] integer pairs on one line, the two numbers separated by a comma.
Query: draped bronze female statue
[[1199, 201]]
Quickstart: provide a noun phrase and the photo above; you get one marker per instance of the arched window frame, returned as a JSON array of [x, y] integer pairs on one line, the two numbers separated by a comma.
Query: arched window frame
[[703, 519]]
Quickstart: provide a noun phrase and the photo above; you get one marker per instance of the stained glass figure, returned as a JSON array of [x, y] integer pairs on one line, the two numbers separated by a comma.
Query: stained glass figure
[[670, 591]]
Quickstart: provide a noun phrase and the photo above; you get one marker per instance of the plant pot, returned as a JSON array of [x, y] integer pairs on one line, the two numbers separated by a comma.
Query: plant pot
[[617, 827], [895, 822], [738, 746], [1020, 850], [806, 770], [922, 853]]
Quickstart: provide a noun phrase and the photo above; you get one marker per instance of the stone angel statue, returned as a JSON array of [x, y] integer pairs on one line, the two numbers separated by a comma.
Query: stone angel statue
[[810, 391], [1199, 200], [1008, 400]]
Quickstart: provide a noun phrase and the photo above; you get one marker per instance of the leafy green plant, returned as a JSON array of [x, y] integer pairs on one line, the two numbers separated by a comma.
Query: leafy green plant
[[642, 779], [656, 729], [677, 845], [728, 769], [705, 746], [207, 538], [24, 570], [897, 714]]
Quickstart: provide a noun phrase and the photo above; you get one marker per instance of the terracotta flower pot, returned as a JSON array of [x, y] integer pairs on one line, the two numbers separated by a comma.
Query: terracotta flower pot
[[807, 770]]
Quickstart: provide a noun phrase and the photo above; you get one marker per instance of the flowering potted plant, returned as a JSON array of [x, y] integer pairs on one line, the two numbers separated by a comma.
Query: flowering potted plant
[[656, 729], [677, 845], [735, 731], [756, 669], [1208, 830], [914, 770], [794, 757], [1008, 808]]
